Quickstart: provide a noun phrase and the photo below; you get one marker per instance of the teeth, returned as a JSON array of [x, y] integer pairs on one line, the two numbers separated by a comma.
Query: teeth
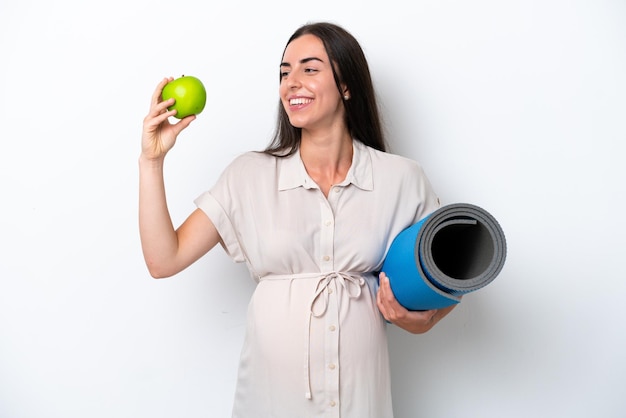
[[299, 101]]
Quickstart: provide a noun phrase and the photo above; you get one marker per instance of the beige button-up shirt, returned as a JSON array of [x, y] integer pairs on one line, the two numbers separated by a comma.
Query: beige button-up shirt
[[315, 341]]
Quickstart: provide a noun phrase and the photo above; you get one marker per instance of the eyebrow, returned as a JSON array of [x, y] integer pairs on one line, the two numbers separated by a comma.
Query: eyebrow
[[302, 61]]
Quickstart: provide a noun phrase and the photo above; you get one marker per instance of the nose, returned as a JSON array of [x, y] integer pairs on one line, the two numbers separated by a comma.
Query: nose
[[292, 81]]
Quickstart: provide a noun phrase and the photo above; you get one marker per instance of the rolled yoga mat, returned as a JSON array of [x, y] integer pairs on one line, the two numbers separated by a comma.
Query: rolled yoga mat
[[457, 249]]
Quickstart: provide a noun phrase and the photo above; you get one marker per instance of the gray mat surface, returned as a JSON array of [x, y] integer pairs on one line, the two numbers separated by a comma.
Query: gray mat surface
[[457, 249]]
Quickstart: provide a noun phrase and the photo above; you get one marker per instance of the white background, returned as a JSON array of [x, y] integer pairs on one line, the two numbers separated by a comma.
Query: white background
[[516, 106]]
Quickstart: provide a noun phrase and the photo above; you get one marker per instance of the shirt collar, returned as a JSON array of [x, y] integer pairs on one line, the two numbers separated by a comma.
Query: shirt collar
[[292, 173]]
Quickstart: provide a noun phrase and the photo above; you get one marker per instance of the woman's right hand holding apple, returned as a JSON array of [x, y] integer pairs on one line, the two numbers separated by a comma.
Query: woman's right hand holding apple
[[159, 135], [166, 250]]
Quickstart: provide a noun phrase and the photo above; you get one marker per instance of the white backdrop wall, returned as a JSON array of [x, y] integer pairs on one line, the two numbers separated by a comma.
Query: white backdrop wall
[[515, 106]]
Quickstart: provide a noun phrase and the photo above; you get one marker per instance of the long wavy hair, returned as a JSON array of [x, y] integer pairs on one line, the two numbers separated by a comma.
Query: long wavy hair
[[351, 69]]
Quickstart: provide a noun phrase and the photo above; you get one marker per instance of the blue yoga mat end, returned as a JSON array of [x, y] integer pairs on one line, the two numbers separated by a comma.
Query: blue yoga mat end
[[457, 249]]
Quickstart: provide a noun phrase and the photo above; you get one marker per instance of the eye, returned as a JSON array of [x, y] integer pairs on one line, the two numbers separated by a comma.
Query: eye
[[310, 70], [284, 74]]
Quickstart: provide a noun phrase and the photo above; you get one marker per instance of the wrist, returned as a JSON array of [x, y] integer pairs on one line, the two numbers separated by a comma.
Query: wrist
[[148, 162]]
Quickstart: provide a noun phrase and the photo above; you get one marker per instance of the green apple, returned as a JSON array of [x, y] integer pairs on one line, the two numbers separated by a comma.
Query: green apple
[[189, 93]]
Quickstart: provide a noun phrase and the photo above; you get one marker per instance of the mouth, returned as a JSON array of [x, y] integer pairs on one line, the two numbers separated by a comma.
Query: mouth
[[299, 101]]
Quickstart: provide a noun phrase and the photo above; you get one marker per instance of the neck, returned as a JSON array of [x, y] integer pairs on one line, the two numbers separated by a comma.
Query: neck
[[327, 159]]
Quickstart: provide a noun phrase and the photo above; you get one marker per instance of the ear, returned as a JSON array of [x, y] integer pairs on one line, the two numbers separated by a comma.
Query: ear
[[346, 93]]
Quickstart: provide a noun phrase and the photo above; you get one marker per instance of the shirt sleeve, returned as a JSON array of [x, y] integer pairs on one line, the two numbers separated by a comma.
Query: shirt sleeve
[[222, 204], [208, 203], [426, 195]]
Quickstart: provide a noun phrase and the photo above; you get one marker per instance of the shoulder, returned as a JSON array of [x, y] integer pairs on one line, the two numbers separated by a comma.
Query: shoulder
[[394, 163], [250, 163], [399, 174], [246, 171], [254, 158], [404, 181]]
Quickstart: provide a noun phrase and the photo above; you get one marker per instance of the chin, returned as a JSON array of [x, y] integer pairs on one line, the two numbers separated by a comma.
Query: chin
[[296, 124]]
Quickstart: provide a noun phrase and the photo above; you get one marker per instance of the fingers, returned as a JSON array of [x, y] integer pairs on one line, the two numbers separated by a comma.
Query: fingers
[[158, 107], [412, 321], [157, 117], [156, 96], [387, 302], [159, 134], [161, 108], [159, 112]]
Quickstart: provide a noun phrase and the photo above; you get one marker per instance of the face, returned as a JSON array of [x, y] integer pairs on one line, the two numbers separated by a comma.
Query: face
[[307, 87]]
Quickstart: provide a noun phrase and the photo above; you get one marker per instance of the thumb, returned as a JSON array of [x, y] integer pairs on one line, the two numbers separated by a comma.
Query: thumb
[[182, 124]]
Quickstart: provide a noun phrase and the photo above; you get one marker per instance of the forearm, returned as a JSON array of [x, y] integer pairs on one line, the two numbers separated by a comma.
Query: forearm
[[159, 241]]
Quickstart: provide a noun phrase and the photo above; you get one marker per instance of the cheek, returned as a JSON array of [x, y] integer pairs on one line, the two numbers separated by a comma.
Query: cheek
[[282, 94], [282, 88]]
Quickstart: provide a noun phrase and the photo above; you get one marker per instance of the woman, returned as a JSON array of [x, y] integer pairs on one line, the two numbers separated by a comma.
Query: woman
[[312, 217]]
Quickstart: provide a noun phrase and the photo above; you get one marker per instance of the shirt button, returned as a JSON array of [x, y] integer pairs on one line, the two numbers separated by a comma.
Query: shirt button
[[337, 189], [326, 257], [332, 328], [331, 366], [328, 223], [333, 403]]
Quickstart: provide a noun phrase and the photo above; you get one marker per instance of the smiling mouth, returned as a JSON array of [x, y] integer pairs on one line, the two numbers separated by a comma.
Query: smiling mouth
[[299, 101]]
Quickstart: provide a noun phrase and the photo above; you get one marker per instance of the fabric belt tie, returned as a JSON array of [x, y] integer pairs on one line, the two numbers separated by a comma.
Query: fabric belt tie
[[352, 283]]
